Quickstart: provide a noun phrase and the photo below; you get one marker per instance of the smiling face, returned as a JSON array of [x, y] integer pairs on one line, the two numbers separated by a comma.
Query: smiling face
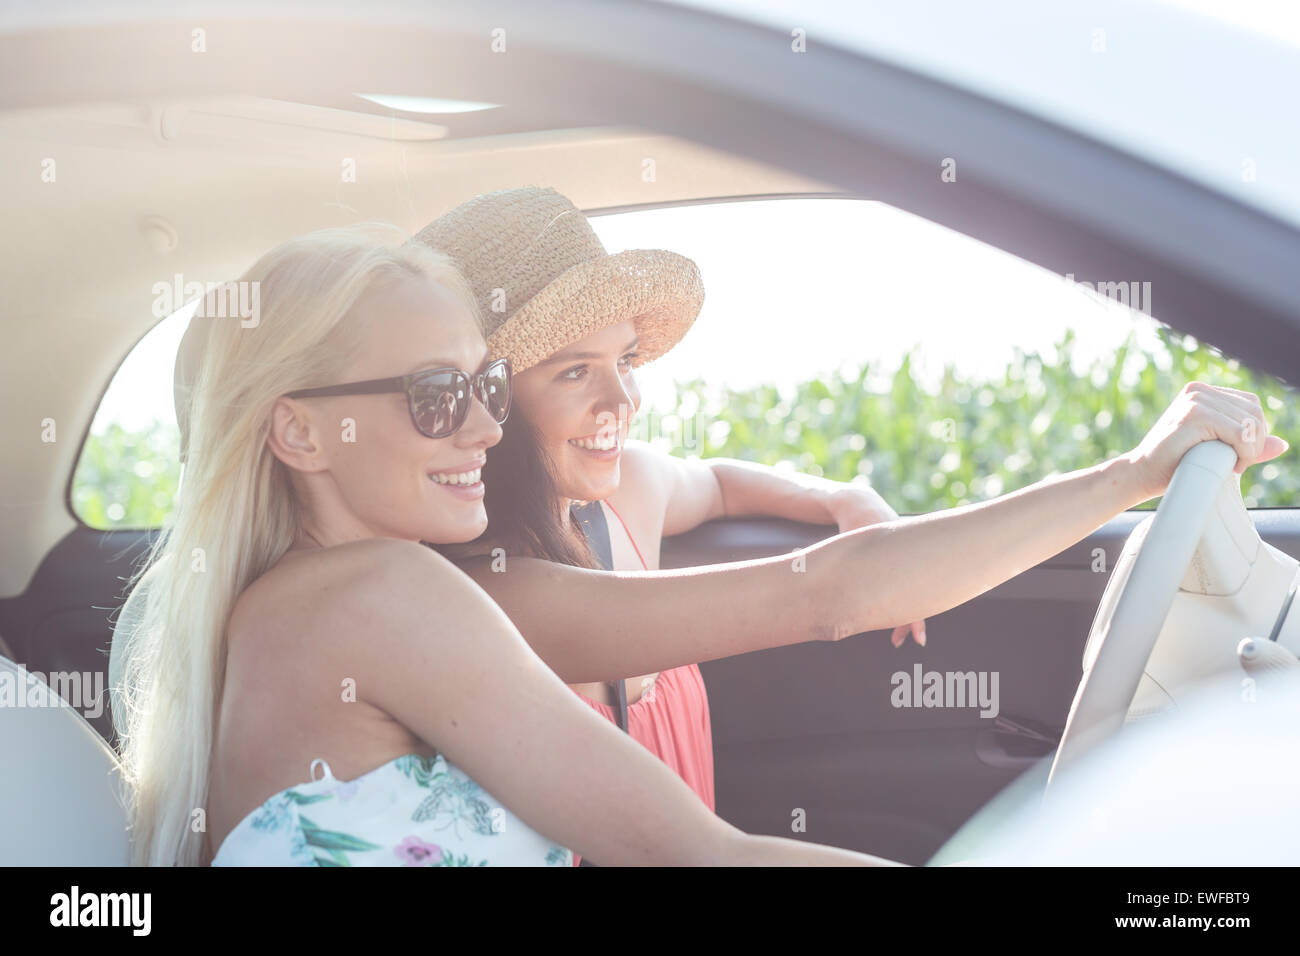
[[359, 462], [581, 400]]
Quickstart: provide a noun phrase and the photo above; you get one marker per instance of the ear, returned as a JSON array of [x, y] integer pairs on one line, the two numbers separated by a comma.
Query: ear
[[294, 437]]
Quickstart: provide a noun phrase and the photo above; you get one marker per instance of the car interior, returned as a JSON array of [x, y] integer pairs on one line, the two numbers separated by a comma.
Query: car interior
[[137, 167]]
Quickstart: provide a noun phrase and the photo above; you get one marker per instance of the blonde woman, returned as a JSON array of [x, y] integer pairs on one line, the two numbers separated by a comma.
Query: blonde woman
[[295, 625], [310, 685]]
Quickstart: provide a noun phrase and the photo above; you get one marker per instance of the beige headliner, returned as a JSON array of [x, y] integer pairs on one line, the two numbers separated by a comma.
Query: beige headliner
[[226, 179]]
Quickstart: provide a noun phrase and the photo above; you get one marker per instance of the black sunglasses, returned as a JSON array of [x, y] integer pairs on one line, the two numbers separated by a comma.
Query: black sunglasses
[[439, 398]]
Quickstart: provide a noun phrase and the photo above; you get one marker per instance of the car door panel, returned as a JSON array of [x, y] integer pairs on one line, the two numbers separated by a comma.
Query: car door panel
[[809, 733]]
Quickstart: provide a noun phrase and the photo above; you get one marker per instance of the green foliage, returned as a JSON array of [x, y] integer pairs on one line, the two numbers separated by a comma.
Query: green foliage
[[966, 441], [127, 479], [922, 449]]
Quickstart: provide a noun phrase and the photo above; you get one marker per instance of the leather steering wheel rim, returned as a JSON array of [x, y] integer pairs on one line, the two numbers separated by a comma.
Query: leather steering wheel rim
[[1133, 610]]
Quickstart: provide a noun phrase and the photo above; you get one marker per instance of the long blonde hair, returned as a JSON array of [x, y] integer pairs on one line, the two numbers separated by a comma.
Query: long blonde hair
[[235, 513]]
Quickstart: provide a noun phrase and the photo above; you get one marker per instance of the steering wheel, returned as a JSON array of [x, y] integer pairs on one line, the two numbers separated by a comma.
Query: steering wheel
[[1141, 591]]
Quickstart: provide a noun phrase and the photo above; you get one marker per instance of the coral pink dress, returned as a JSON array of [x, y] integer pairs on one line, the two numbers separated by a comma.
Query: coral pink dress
[[671, 717]]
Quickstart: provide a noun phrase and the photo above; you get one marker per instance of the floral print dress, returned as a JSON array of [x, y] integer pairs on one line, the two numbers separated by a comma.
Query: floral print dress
[[412, 811]]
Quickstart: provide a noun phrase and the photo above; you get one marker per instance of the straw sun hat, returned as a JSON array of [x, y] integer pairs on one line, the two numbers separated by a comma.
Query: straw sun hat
[[543, 280]]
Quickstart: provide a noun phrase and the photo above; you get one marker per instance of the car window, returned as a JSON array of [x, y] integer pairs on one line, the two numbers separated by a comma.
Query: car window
[[129, 467], [839, 337], [850, 339]]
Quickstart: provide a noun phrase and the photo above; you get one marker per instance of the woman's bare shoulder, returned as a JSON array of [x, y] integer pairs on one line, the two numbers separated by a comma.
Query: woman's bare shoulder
[[644, 464], [646, 476], [309, 591]]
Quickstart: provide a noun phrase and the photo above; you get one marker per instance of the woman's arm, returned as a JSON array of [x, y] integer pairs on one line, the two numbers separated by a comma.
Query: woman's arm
[[428, 647], [590, 625], [594, 625], [693, 491], [688, 493]]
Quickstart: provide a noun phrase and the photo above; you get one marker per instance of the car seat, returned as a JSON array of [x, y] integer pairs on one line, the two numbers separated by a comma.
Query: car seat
[[63, 790]]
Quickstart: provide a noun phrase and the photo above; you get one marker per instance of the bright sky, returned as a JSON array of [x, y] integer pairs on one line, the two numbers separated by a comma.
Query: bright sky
[[798, 288], [795, 289]]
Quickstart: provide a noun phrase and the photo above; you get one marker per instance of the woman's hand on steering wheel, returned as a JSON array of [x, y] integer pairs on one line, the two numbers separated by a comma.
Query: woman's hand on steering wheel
[[1200, 413]]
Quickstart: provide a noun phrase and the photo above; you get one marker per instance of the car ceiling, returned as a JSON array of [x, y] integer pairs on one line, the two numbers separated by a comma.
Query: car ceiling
[[175, 161], [148, 186]]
